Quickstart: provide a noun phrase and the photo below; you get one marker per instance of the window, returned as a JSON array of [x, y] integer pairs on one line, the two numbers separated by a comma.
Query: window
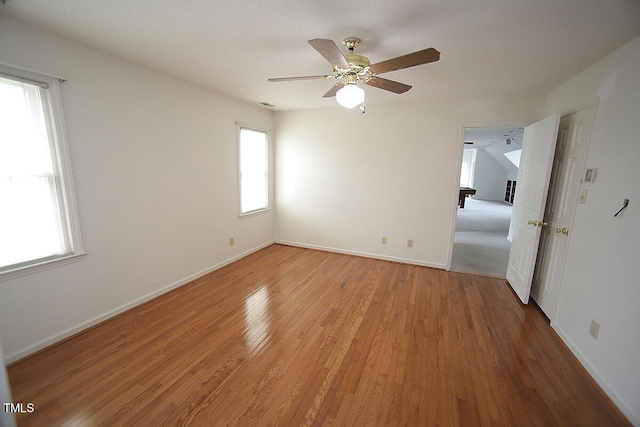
[[254, 174], [468, 168], [38, 222]]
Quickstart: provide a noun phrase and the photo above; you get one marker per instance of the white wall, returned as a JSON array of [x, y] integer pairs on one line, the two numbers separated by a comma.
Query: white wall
[[346, 179], [6, 418], [155, 164], [490, 178], [601, 279]]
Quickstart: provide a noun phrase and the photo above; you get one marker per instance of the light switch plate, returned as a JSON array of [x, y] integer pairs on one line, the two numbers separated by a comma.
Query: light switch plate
[[583, 196]]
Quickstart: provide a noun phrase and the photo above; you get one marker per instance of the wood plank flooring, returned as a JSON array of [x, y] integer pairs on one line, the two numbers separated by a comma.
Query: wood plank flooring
[[290, 336]]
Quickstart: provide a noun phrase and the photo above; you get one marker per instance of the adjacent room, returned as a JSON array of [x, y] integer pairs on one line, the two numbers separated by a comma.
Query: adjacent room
[[217, 213], [488, 179]]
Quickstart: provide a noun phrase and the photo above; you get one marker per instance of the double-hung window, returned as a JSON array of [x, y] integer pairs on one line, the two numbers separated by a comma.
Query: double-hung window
[[253, 153], [38, 220]]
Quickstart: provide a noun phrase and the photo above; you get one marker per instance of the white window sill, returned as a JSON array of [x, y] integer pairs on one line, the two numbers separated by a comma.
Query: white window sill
[[258, 211], [40, 266]]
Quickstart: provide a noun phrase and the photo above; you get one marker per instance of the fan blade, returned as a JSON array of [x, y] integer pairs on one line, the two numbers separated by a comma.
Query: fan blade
[[332, 92], [287, 79], [410, 60], [390, 85], [330, 51]]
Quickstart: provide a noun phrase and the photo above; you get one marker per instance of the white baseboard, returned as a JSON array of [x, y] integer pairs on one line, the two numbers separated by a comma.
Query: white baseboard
[[633, 418], [362, 254], [10, 358]]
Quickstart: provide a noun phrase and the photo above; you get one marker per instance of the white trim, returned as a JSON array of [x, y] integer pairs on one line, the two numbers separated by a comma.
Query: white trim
[[250, 213], [456, 195], [37, 267], [64, 159], [254, 127], [17, 355], [633, 418], [61, 158], [6, 417], [30, 74], [362, 254]]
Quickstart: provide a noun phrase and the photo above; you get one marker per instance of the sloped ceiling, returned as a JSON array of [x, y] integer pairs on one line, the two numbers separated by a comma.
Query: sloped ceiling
[[494, 142], [489, 48]]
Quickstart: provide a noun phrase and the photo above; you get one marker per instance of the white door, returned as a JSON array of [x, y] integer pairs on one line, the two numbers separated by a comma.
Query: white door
[[528, 206], [561, 202]]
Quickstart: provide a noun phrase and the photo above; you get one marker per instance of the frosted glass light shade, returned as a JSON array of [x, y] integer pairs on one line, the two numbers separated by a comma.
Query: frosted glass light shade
[[350, 95]]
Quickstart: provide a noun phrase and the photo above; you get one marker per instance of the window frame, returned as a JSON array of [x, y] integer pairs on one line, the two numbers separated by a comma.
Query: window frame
[[267, 207], [50, 93]]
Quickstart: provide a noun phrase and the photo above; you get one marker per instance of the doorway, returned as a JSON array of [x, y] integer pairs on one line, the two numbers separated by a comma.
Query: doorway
[[489, 170]]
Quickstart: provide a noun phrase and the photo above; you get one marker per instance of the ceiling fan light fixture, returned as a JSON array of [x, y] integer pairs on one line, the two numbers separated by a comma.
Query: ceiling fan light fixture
[[350, 95], [353, 68]]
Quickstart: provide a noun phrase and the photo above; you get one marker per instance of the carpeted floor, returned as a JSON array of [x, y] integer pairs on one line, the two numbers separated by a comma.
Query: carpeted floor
[[480, 244]]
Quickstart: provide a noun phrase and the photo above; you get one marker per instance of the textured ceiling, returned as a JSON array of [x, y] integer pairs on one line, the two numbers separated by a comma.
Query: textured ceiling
[[486, 137], [488, 48]]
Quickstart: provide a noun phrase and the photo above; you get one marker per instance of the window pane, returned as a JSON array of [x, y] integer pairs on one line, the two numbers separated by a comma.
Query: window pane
[[31, 221], [466, 172], [253, 170]]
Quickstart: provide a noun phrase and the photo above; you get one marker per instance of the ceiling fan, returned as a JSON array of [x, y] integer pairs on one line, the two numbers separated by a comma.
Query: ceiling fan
[[353, 68]]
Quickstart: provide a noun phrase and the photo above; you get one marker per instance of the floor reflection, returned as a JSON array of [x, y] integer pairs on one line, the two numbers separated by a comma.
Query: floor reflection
[[257, 317]]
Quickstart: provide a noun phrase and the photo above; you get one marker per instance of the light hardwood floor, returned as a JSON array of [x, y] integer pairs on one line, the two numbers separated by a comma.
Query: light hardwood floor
[[289, 336]]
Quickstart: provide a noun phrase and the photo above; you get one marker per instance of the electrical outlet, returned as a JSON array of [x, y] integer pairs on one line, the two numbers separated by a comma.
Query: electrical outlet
[[409, 243], [231, 241], [384, 240], [595, 329]]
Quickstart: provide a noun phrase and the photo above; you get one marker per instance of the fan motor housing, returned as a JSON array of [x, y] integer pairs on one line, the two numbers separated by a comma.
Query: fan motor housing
[[357, 60]]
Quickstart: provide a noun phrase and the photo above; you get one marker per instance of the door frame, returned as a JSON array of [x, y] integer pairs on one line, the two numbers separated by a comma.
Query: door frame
[[455, 190]]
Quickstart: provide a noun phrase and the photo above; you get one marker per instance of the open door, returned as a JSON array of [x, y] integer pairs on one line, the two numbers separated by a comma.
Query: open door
[[528, 206]]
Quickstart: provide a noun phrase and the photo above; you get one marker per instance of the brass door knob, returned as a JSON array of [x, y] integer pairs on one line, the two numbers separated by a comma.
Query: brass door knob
[[563, 230], [533, 222], [542, 224]]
